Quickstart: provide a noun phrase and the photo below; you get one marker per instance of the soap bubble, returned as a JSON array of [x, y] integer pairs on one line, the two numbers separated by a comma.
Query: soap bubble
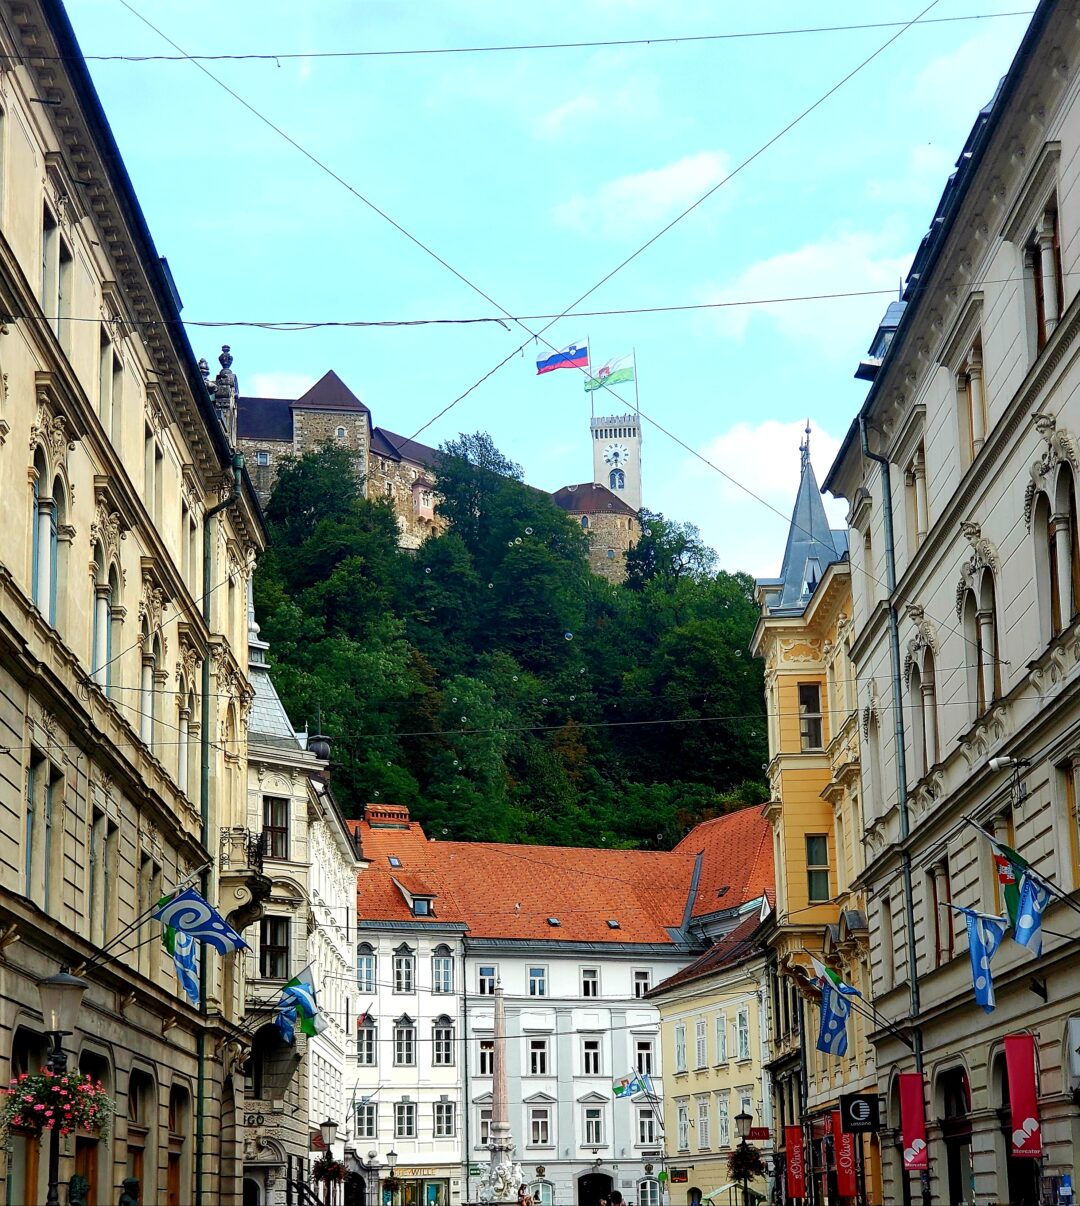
[[445, 832], [517, 539], [464, 719], [582, 670], [376, 795], [509, 544], [572, 698], [454, 700], [544, 700], [514, 677], [491, 586], [456, 762], [427, 569], [568, 636], [389, 764], [528, 531]]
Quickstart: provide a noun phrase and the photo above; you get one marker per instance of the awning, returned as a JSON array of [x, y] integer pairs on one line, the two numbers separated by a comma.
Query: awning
[[754, 1195]]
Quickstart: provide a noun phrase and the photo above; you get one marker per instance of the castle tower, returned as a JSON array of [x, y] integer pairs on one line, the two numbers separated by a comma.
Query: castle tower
[[617, 456]]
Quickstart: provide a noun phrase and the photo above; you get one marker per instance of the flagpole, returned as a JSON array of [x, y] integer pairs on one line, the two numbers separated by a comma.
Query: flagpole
[[637, 398], [592, 392]]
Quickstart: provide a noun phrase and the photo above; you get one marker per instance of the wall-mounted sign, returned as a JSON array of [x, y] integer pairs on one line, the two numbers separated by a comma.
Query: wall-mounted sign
[[679, 1176], [758, 1134], [859, 1112]]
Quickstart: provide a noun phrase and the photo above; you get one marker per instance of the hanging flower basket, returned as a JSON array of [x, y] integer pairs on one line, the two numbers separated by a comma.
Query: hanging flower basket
[[72, 1101], [328, 1171]]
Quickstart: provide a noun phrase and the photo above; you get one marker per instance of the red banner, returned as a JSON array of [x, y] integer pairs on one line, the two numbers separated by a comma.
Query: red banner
[[796, 1168], [844, 1151], [913, 1122], [1023, 1095]]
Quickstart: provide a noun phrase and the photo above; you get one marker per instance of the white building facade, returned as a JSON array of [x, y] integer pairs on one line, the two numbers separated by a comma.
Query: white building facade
[[576, 1020], [309, 920]]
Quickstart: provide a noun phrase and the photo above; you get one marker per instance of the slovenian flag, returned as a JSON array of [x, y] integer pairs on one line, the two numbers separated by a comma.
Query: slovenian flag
[[575, 356]]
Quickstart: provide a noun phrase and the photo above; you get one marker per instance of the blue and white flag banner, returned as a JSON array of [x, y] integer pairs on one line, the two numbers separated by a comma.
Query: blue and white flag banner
[[835, 1010], [185, 960], [188, 913], [1034, 897], [285, 1021], [985, 933]]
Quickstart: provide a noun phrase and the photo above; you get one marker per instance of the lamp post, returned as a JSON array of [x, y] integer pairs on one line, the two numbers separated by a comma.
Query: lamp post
[[60, 996], [742, 1128], [328, 1130]]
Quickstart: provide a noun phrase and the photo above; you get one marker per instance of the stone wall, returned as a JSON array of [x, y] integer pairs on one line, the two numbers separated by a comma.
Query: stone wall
[[410, 488], [610, 538]]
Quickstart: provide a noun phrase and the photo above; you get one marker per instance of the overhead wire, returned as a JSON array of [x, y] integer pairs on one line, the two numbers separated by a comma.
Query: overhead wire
[[595, 44]]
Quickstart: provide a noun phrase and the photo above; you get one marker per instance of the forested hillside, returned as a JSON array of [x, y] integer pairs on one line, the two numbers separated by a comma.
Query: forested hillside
[[490, 681]]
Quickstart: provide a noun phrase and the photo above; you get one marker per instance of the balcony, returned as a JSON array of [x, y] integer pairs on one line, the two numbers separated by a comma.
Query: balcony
[[243, 885]]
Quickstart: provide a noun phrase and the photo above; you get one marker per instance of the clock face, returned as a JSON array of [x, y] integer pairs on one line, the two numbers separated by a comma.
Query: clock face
[[616, 454]]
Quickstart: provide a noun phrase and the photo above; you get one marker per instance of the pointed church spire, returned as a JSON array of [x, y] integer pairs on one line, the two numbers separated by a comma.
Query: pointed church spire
[[811, 543]]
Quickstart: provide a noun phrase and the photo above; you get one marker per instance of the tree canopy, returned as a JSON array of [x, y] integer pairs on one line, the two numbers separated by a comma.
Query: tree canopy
[[490, 680]]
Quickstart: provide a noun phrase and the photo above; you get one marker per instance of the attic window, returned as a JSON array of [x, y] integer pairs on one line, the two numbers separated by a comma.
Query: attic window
[[612, 925], [724, 890], [554, 921], [421, 906], [395, 861]]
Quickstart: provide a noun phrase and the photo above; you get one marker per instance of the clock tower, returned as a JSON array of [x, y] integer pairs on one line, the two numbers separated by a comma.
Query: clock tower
[[617, 456]]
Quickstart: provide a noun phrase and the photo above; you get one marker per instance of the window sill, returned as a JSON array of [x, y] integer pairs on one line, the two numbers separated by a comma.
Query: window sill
[[540, 1147]]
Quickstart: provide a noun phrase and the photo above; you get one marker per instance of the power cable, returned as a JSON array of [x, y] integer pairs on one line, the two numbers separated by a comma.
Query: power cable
[[736, 35]]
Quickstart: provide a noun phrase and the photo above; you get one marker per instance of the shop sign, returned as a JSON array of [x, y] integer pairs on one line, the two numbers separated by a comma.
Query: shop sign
[[913, 1122], [859, 1113], [420, 1172], [844, 1151], [679, 1176], [758, 1134], [796, 1170], [1026, 1137]]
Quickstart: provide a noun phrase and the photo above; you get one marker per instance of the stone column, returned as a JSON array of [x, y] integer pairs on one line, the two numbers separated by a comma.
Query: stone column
[[1048, 269], [944, 916], [500, 1183], [985, 621], [146, 699], [182, 750], [918, 469], [929, 716], [1060, 534], [102, 621], [46, 512], [975, 398]]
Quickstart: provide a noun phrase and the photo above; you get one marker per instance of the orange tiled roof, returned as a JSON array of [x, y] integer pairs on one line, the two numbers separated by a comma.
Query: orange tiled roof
[[738, 862], [509, 891]]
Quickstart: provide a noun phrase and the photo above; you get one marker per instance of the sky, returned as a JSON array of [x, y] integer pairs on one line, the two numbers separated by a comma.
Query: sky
[[534, 174]]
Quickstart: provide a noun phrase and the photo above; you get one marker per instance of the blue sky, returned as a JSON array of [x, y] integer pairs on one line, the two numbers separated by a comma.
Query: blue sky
[[534, 173]]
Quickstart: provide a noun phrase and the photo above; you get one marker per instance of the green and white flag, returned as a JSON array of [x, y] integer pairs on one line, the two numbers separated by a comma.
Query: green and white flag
[[300, 993], [615, 372], [827, 974]]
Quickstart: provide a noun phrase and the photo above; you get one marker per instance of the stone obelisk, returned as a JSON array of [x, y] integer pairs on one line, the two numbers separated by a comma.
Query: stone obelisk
[[500, 1182]]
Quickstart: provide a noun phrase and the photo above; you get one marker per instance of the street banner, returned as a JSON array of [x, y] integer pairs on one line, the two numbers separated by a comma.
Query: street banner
[[1026, 1137], [844, 1151], [913, 1122], [796, 1168]]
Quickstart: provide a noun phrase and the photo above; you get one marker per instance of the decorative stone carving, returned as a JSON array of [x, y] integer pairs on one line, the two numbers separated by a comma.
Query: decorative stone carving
[[107, 530], [152, 608], [984, 555], [925, 638], [51, 430], [1061, 448], [871, 711], [188, 665]]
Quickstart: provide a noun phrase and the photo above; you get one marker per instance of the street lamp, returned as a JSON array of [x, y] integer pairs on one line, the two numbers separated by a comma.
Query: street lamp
[[328, 1130], [60, 996], [391, 1159], [742, 1129]]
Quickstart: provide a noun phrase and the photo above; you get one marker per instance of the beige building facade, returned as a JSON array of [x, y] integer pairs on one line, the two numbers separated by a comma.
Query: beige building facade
[[971, 423], [112, 460]]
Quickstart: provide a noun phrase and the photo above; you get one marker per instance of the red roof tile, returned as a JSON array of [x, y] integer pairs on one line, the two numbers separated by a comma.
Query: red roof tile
[[738, 862], [509, 891], [590, 498]]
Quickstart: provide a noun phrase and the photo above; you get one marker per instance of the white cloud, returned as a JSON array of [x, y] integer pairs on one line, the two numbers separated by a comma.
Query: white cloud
[[643, 199], [853, 261], [555, 123], [277, 385], [922, 180], [956, 85], [747, 534]]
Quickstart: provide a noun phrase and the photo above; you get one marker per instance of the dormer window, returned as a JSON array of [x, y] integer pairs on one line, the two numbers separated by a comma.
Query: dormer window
[[421, 906]]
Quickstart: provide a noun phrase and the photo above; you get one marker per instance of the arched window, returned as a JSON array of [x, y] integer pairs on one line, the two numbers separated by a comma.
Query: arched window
[[26, 1169], [931, 741], [648, 1192], [179, 1170], [543, 1193], [584, 521], [982, 650], [1057, 555], [617, 479], [442, 969], [113, 663], [43, 537], [141, 1114], [149, 683], [918, 726], [365, 967], [442, 1041], [90, 1150], [187, 741], [340, 433]]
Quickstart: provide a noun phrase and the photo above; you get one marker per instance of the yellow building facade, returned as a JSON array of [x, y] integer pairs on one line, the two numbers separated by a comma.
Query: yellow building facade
[[714, 1038], [805, 636]]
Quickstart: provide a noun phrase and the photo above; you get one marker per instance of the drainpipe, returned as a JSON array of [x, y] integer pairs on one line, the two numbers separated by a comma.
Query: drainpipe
[[901, 759], [465, 1062], [204, 811]]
